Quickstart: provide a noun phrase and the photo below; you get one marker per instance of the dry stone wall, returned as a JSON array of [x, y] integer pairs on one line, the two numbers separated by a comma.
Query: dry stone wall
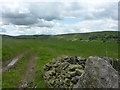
[[77, 72]]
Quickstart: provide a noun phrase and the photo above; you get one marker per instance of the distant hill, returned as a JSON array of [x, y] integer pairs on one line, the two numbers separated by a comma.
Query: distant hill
[[104, 36]]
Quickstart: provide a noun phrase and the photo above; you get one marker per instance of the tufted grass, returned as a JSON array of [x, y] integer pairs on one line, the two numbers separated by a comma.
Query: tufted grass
[[46, 50]]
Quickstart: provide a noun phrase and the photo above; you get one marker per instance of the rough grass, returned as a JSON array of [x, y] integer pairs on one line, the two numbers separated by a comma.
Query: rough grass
[[0, 62], [0, 47], [86, 36], [46, 50], [12, 77]]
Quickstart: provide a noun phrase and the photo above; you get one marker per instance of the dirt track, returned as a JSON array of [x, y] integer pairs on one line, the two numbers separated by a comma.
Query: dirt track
[[13, 61], [30, 72]]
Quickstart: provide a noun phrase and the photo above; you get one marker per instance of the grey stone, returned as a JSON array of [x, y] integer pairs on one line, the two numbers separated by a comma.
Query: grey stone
[[98, 74], [75, 79]]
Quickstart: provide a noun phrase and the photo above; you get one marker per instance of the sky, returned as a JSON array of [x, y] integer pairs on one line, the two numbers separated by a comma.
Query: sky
[[30, 17]]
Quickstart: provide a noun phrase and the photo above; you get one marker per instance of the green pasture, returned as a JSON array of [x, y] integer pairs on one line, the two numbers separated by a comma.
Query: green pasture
[[47, 50]]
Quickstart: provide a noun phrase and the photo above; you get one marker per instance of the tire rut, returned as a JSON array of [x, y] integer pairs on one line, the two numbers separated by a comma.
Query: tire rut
[[30, 72], [13, 61]]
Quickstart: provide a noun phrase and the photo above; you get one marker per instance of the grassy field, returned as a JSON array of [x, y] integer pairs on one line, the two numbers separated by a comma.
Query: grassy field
[[0, 61], [47, 50], [0, 47], [109, 35]]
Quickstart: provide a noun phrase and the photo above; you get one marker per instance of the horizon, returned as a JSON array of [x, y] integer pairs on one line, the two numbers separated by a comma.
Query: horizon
[[55, 18], [59, 34]]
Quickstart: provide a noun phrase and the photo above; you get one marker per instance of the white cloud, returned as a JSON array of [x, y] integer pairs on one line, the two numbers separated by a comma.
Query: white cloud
[[36, 18], [44, 23], [89, 26], [84, 26]]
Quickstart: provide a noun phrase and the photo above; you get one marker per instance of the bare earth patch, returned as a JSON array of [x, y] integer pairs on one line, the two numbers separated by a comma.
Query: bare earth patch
[[13, 61], [30, 72]]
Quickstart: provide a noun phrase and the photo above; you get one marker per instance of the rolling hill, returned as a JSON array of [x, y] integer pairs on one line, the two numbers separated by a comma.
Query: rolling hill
[[104, 36]]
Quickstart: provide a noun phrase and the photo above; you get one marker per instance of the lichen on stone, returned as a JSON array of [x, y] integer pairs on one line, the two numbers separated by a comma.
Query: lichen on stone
[[77, 72]]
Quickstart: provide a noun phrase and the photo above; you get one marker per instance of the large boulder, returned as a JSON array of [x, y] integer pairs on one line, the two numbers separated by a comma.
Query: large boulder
[[98, 73]]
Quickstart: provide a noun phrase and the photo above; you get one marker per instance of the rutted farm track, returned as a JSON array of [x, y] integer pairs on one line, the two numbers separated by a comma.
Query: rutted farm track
[[29, 71], [13, 61]]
